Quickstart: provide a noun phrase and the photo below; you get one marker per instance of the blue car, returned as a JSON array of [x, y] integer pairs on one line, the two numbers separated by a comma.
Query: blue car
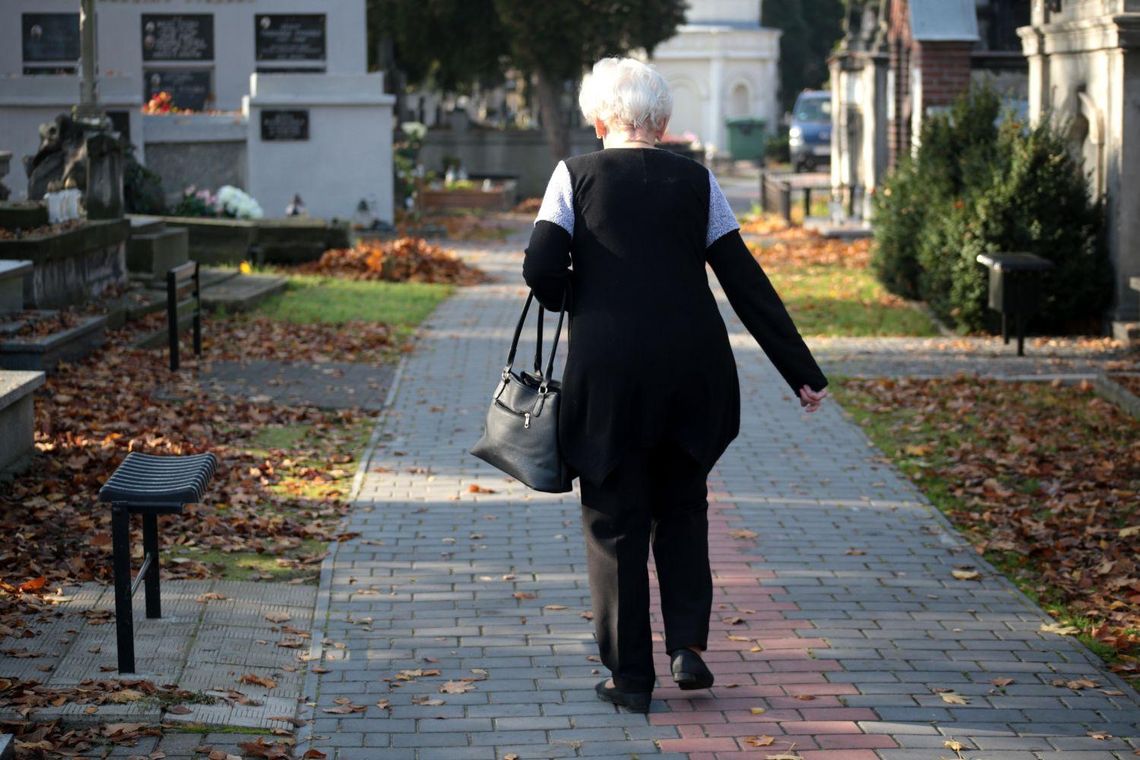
[[809, 139]]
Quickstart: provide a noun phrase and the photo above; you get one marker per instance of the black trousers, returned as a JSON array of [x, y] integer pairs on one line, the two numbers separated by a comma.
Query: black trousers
[[657, 496]]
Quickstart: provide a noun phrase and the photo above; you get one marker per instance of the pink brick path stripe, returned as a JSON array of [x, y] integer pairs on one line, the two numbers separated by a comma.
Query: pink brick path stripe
[[802, 711]]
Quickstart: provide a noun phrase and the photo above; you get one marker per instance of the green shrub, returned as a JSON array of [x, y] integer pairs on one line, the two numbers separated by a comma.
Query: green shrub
[[974, 188], [955, 153], [142, 188], [1037, 201]]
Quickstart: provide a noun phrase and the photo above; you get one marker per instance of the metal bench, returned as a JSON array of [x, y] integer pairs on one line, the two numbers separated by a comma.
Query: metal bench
[[150, 486], [178, 279]]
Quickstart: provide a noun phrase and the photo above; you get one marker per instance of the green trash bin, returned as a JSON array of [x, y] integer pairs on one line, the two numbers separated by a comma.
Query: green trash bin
[[746, 138]]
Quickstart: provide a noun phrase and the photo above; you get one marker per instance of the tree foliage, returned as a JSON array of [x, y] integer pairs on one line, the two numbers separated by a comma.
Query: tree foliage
[[452, 43], [811, 28]]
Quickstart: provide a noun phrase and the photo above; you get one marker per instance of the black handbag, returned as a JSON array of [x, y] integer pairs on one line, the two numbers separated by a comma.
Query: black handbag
[[521, 434]]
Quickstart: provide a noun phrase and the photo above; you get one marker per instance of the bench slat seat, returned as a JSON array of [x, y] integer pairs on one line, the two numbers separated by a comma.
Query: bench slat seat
[[145, 480], [148, 485]]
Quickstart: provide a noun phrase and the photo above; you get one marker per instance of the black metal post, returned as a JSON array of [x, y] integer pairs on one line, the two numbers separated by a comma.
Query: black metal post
[[807, 203], [172, 318], [197, 311], [1020, 318], [763, 189], [786, 202], [1004, 329], [121, 563], [150, 548]]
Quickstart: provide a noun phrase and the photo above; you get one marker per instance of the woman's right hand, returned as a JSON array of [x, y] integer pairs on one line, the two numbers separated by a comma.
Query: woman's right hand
[[810, 400]]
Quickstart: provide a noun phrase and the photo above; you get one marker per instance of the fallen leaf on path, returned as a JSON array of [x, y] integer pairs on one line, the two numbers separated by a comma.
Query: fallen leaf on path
[[759, 741], [255, 680], [1061, 629]]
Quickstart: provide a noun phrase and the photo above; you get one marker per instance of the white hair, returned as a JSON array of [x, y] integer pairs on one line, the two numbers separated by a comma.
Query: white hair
[[626, 94]]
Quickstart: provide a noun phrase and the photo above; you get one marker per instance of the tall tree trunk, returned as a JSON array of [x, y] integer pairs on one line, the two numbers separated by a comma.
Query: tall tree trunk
[[550, 111]]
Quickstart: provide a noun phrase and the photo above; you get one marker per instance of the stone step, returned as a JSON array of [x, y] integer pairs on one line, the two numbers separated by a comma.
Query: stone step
[[17, 425], [241, 293], [146, 225], [154, 253]]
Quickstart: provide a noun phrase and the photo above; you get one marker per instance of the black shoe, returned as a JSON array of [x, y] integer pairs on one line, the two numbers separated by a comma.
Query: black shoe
[[689, 670], [634, 701]]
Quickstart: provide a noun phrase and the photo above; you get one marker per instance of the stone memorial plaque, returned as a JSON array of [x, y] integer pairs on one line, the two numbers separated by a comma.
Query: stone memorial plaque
[[178, 37], [290, 37], [190, 88], [281, 126], [51, 37]]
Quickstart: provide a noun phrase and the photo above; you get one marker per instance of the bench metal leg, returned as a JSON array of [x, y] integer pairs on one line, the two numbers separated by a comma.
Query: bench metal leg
[[121, 562], [150, 582]]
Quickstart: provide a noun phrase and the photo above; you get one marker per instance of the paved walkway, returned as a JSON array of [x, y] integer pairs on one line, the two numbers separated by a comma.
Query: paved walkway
[[456, 623]]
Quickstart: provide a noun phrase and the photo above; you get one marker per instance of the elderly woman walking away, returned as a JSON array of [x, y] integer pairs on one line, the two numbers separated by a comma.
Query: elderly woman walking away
[[650, 392]]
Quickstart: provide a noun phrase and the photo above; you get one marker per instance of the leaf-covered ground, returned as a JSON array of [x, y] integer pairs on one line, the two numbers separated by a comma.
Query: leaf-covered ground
[[284, 470], [1043, 478], [827, 284]]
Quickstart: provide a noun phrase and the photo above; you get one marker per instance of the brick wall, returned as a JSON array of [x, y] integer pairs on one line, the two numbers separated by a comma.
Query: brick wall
[[945, 70]]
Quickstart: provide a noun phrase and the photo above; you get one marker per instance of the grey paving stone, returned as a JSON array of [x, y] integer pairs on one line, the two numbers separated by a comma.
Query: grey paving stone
[[898, 626]]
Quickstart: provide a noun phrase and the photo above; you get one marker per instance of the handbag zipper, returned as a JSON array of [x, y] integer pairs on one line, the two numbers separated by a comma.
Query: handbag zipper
[[526, 420]]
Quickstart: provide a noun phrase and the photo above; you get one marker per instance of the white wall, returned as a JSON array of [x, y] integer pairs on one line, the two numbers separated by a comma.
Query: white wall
[[120, 37], [28, 102], [708, 66], [347, 157]]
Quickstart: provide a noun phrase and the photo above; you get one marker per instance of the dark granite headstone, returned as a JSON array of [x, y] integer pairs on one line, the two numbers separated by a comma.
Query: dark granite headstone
[[104, 196], [178, 37], [290, 37], [281, 126], [121, 123], [51, 37], [191, 88]]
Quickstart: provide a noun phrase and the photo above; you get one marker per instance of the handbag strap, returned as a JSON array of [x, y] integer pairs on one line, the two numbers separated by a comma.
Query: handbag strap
[[538, 347]]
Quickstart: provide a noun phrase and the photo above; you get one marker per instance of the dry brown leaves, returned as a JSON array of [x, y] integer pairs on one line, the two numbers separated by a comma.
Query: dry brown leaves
[[92, 413], [25, 696], [1130, 381], [527, 206], [406, 259], [50, 229], [1045, 479], [50, 739], [809, 249]]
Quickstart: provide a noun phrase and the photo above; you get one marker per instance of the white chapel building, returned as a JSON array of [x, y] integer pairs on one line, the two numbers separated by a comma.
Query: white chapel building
[[722, 64]]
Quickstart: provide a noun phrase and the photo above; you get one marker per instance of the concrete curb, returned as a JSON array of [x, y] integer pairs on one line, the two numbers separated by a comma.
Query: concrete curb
[[1118, 394]]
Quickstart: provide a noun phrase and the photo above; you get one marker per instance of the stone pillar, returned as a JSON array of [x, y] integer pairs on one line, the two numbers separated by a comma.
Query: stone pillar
[[715, 124], [1084, 64]]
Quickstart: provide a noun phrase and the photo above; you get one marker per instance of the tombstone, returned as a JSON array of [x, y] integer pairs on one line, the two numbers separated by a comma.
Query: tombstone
[[104, 197], [12, 286], [5, 161]]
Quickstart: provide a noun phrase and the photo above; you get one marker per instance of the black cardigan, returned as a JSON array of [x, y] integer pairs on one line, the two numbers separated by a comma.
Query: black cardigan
[[649, 356]]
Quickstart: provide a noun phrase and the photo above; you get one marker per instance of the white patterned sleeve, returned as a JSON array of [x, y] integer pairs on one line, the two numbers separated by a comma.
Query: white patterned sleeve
[[558, 202], [721, 219]]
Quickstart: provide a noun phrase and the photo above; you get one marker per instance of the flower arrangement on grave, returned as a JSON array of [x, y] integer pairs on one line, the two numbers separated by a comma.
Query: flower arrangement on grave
[[229, 202], [237, 204], [161, 103]]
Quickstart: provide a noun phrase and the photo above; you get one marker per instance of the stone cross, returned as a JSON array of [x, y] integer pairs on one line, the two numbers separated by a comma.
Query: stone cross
[[88, 89]]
